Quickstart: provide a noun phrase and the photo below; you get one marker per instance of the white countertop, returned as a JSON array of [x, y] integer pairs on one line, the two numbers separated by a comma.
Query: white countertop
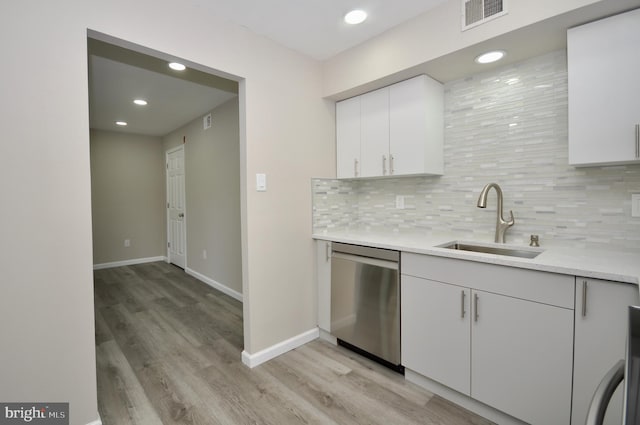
[[615, 265]]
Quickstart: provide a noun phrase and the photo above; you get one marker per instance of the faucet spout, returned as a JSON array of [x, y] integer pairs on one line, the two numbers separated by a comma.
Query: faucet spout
[[501, 224]]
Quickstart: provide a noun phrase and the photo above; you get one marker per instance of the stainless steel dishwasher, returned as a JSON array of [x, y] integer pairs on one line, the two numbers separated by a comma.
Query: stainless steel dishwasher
[[365, 301]]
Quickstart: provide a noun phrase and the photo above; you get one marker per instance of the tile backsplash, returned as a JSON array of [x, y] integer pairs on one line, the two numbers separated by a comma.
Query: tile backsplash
[[508, 126]]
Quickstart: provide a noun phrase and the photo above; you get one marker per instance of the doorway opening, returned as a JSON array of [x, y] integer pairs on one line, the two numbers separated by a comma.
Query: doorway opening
[[163, 143], [145, 119]]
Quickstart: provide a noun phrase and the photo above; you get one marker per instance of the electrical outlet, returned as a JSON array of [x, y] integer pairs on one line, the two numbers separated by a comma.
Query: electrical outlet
[[127, 243], [399, 202], [204, 254], [635, 205]]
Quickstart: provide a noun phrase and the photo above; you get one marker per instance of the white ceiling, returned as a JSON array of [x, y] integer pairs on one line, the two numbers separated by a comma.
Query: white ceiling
[[316, 27], [173, 102], [312, 27]]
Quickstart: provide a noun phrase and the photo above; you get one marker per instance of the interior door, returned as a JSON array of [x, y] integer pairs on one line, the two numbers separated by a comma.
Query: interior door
[[176, 225]]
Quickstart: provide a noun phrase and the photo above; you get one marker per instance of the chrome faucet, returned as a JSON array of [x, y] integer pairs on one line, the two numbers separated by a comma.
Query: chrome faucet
[[501, 224]]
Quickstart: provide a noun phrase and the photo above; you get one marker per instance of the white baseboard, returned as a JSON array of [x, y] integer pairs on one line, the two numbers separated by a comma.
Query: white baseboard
[[253, 360], [217, 285], [128, 262]]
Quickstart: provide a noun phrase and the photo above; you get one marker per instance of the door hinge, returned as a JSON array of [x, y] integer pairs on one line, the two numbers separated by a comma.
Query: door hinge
[[167, 205], [168, 244], [167, 165]]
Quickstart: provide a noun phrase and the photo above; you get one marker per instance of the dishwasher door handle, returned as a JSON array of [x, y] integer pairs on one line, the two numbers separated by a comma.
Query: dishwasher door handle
[[366, 260]]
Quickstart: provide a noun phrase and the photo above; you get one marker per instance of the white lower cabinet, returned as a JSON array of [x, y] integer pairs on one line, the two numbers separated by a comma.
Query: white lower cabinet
[[507, 352], [323, 282], [522, 353], [533, 345], [601, 320], [435, 311]]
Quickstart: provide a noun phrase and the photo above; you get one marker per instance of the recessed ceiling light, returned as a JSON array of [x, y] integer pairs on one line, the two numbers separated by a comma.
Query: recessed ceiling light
[[121, 123], [140, 102], [489, 57], [177, 66], [355, 17]]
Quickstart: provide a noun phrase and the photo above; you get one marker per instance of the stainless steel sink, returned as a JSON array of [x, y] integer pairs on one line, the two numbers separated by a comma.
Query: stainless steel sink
[[493, 249]]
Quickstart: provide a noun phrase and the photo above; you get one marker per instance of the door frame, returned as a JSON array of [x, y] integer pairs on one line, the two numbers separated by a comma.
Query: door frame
[[167, 218]]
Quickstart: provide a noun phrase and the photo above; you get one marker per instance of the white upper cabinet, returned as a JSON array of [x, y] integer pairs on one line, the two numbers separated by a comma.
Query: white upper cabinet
[[374, 142], [604, 91], [399, 130], [348, 133], [416, 127]]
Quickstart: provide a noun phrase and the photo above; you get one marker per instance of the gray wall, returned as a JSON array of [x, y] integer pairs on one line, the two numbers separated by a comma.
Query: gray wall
[[127, 196], [507, 126], [212, 171]]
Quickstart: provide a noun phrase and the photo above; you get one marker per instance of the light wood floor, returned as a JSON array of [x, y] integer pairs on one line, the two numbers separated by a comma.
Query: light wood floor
[[168, 352]]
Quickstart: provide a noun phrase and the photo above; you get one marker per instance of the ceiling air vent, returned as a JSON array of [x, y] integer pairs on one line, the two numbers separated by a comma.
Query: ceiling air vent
[[476, 12]]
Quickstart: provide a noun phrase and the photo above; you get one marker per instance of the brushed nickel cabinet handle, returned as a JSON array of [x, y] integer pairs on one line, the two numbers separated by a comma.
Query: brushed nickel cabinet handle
[[462, 312], [384, 165], [327, 251], [391, 170], [475, 306], [355, 167], [584, 298]]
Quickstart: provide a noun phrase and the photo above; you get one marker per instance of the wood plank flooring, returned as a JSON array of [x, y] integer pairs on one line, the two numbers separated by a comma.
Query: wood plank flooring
[[168, 352]]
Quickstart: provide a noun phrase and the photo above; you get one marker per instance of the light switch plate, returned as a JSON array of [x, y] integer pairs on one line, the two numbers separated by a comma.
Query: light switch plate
[[635, 205], [261, 182]]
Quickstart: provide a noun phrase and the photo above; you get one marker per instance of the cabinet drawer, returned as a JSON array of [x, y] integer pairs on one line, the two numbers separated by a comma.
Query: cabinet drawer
[[548, 288]]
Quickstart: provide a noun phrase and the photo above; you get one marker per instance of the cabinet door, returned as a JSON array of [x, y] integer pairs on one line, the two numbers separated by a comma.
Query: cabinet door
[[416, 126], [323, 282], [435, 331], [348, 138], [374, 119], [522, 355], [601, 318], [604, 100]]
